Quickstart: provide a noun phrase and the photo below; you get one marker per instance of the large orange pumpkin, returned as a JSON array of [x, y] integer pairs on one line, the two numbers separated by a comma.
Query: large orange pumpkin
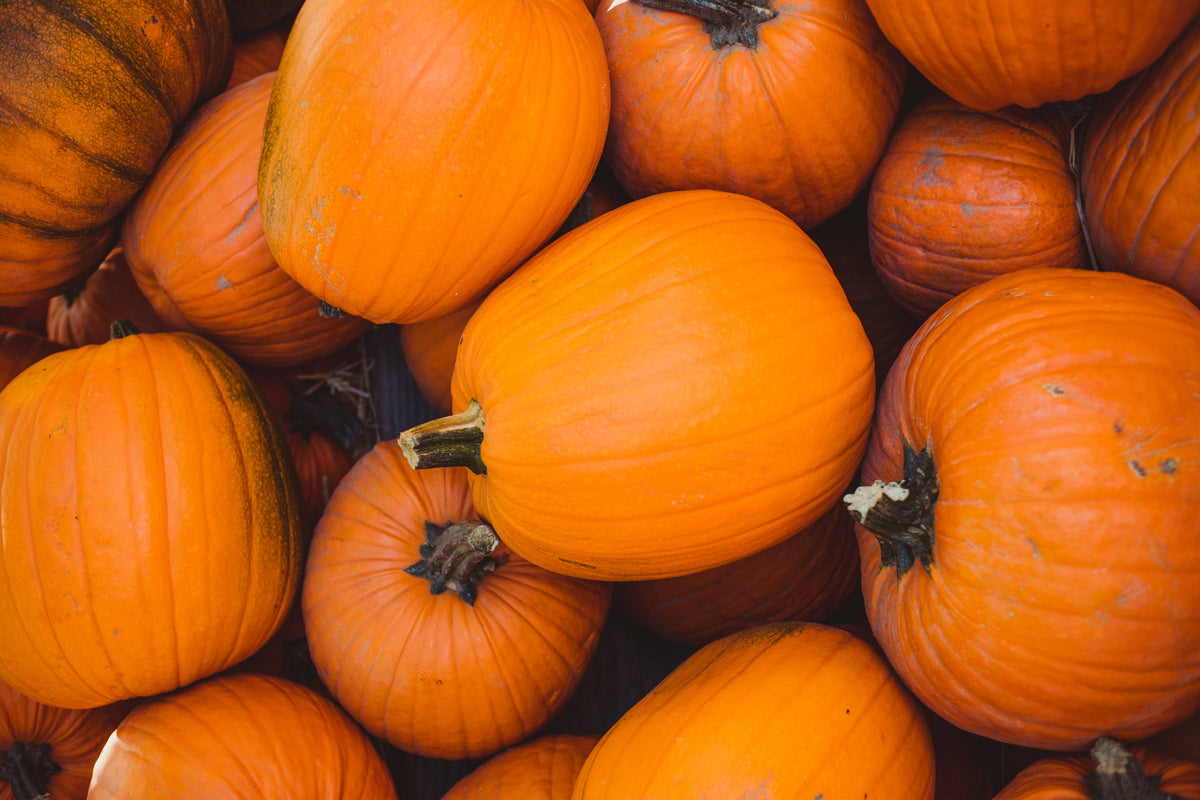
[[1141, 170], [1111, 771], [440, 645], [544, 768], [790, 710], [91, 95], [415, 153], [151, 531], [789, 102], [992, 53], [669, 387], [1028, 519]]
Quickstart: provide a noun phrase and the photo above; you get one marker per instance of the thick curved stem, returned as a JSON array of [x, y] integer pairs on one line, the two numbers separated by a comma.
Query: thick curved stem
[[27, 768], [457, 557], [900, 514], [727, 22], [1119, 775], [452, 441]]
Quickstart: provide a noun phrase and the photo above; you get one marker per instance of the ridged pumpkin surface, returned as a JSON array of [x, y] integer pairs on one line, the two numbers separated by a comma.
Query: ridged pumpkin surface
[[151, 532], [415, 153], [84, 314], [672, 386], [544, 768], [1059, 597]]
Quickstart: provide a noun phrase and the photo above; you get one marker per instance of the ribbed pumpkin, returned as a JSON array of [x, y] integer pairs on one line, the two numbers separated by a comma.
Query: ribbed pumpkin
[[961, 196], [784, 101], [241, 736], [195, 243], [21, 348], [1141, 167], [672, 386], [1112, 771], [805, 577], [84, 314], [415, 153], [92, 92], [790, 710], [151, 531], [470, 652], [1028, 515], [48, 752], [544, 768], [992, 53]]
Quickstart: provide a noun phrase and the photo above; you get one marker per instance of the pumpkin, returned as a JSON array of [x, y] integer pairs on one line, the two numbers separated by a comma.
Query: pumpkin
[[92, 95], [47, 751], [257, 54], [151, 531], [805, 577], [195, 244], [429, 348], [961, 196], [84, 314], [1027, 517], [544, 768], [1110, 771], [786, 710], [994, 53], [415, 153], [242, 735], [429, 632], [788, 102], [667, 388], [21, 348], [1140, 169]]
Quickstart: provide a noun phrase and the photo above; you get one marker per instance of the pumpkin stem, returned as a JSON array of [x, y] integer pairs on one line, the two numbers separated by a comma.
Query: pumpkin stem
[[452, 441], [329, 311], [900, 514], [1119, 775], [457, 557], [122, 328], [727, 22], [27, 767]]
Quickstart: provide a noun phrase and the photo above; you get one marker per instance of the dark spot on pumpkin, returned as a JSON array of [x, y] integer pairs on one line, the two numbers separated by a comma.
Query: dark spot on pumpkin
[[1118, 428], [153, 19], [1055, 389], [1168, 466], [1137, 468]]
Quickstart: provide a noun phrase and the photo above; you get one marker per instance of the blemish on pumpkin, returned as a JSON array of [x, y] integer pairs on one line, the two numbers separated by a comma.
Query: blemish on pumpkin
[[241, 226], [1138, 469], [1054, 389], [1037, 554], [576, 563], [968, 209], [1118, 428], [350, 192], [1168, 466], [223, 283]]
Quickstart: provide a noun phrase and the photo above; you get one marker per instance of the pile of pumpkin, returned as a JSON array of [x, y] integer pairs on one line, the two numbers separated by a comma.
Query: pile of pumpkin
[[737, 314]]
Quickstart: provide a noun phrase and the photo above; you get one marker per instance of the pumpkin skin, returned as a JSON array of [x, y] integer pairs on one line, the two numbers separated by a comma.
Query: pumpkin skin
[[241, 736], [961, 196], [430, 673], [773, 120], [995, 53], [475, 135], [1140, 169], [790, 710], [257, 54], [1066, 777], [658, 390], [163, 543], [91, 97], [195, 244], [74, 736], [21, 348], [429, 349], [544, 768], [84, 314], [1053, 600]]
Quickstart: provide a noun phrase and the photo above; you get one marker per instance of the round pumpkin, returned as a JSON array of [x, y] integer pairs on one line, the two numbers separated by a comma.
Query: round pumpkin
[[151, 533], [92, 95], [415, 153], [544, 768], [21, 348], [242, 735], [787, 710], [788, 102], [961, 196], [672, 386], [443, 646], [194, 241], [1111, 771], [84, 314], [1140, 170], [989, 54], [1028, 515]]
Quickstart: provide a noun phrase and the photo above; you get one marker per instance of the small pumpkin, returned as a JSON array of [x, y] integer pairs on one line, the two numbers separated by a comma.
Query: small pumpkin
[[1110, 771], [672, 386], [785, 710], [544, 768], [84, 314], [241, 735]]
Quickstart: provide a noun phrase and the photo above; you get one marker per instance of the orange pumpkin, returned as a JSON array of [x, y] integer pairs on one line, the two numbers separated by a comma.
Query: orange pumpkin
[[21, 348], [539, 769], [667, 388], [240, 735], [751, 97], [403, 197], [195, 243], [429, 349], [151, 531], [1028, 516], [961, 196], [1140, 170], [786, 710], [431, 634], [993, 53], [91, 98], [84, 314], [1110, 772]]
